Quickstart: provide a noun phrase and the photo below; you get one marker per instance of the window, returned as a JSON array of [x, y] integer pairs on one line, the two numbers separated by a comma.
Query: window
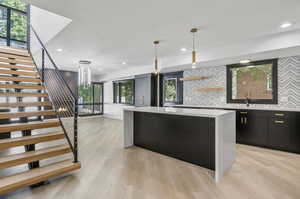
[[91, 99], [170, 90], [13, 23], [124, 92], [256, 81]]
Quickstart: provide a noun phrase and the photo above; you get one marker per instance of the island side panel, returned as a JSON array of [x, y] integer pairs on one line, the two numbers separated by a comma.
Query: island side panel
[[225, 144], [188, 138], [128, 128]]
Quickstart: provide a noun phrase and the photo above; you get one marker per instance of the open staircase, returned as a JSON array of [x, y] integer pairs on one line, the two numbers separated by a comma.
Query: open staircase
[[20, 79]]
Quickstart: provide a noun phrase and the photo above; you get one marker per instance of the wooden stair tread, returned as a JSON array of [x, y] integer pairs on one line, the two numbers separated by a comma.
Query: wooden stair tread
[[23, 94], [16, 57], [17, 67], [28, 126], [8, 115], [31, 156], [21, 86], [33, 139], [11, 183], [20, 79], [23, 73], [25, 104], [14, 51], [14, 61]]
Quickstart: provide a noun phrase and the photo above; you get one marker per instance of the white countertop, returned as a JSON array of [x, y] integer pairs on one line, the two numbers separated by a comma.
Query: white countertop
[[239, 107], [180, 111]]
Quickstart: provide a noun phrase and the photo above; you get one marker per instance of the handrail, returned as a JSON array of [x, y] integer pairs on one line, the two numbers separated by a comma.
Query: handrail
[[74, 99], [59, 118], [50, 58]]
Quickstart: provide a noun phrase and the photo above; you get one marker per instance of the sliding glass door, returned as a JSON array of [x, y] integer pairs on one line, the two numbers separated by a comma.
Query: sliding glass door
[[91, 99]]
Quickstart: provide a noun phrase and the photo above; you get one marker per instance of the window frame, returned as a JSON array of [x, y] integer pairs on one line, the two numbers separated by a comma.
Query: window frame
[[117, 99], [274, 99], [8, 38], [179, 88]]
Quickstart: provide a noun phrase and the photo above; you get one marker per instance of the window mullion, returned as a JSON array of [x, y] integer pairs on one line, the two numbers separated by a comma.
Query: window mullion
[[8, 26]]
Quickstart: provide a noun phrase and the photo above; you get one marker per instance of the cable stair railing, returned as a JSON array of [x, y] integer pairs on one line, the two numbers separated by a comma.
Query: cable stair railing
[[64, 100]]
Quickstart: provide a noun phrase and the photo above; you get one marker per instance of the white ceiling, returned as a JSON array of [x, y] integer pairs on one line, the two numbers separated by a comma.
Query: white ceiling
[[110, 32]]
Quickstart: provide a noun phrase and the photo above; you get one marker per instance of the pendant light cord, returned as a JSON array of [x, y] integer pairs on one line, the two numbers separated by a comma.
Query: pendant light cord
[[155, 50], [193, 41]]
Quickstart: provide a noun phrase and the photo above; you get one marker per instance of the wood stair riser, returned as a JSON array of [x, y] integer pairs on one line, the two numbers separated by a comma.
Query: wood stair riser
[[18, 52], [13, 94], [17, 67], [35, 176], [20, 86], [28, 157], [9, 115], [25, 104], [27, 140], [29, 59], [21, 73], [27, 126], [20, 79], [14, 61]]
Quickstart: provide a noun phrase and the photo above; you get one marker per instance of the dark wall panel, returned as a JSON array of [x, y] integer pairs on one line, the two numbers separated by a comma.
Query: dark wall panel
[[70, 77]]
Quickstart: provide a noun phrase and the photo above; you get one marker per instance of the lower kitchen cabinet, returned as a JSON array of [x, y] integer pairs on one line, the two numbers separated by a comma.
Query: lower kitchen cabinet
[[295, 133], [270, 129], [278, 130], [252, 127]]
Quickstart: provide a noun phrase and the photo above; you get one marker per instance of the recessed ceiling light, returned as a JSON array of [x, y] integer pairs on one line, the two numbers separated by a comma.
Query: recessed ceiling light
[[183, 49], [59, 50], [246, 61], [124, 63], [285, 25]]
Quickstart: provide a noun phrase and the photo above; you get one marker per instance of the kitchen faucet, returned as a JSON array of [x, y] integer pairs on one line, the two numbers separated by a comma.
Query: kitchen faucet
[[247, 99]]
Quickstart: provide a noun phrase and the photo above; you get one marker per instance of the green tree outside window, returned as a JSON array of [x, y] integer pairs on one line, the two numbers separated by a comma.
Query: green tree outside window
[[170, 90]]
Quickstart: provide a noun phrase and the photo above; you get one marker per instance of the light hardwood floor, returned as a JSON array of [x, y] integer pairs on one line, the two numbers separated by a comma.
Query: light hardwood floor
[[111, 172]]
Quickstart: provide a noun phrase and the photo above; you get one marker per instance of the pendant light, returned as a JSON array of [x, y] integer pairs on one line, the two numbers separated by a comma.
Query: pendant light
[[156, 60], [156, 72], [84, 73], [194, 61]]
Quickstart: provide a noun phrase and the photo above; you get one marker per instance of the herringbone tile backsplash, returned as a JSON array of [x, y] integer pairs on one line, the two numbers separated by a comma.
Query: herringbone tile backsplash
[[288, 85]]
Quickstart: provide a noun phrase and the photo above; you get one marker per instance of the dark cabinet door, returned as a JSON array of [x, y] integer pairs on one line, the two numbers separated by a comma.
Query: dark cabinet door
[[255, 128], [295, 132], [279, 133]]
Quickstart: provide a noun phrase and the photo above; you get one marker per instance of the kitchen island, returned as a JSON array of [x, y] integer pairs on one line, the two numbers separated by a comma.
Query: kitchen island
[[199, 136]]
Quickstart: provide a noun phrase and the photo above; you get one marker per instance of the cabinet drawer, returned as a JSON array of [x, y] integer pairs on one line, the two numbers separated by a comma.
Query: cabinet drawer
[[280, 115]]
